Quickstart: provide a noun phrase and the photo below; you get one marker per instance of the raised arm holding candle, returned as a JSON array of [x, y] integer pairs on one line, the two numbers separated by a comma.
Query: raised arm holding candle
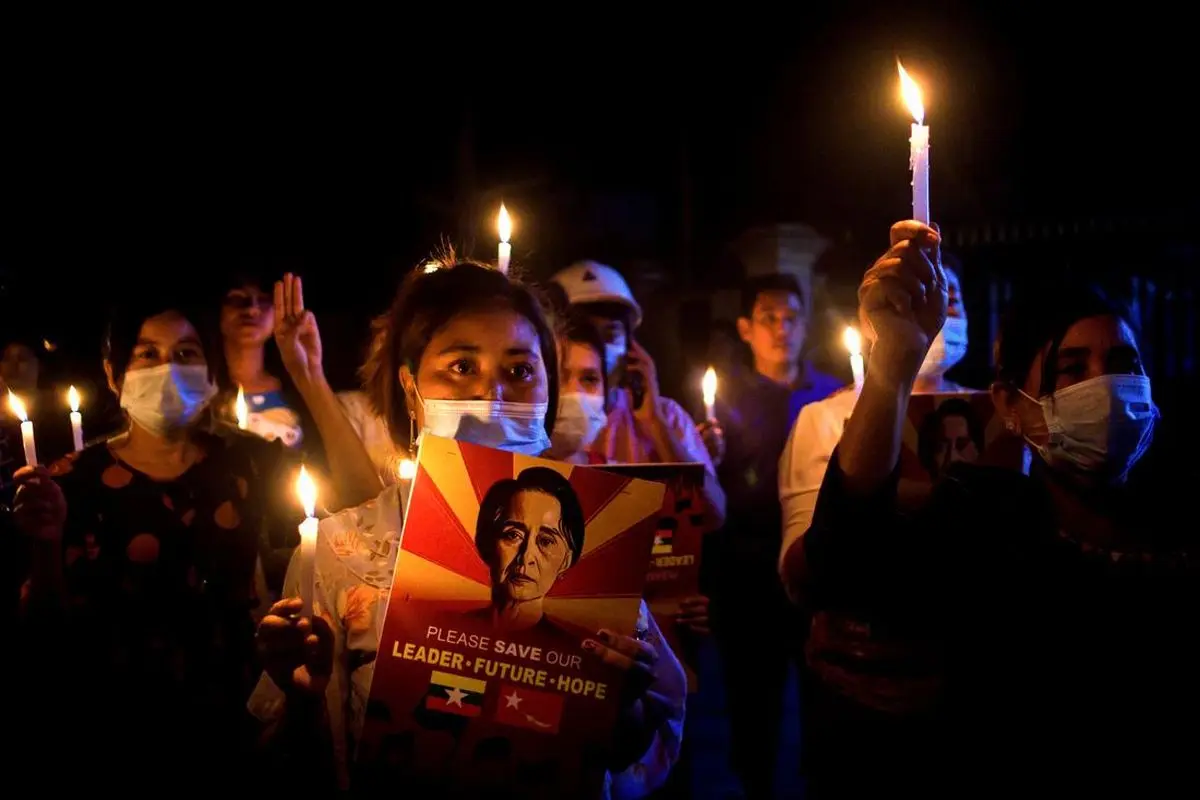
[[918, 158], [18, 409], [504, 228]]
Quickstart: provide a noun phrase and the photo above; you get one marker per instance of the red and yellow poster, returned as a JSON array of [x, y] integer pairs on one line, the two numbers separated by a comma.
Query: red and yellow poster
[[507, 565], [947, 429], [678, 540]]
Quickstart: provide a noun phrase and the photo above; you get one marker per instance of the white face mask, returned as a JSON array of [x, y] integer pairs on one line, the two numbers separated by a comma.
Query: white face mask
[[580, 419], [168, 397], [1099, 426], [515, 427], [947, 349]]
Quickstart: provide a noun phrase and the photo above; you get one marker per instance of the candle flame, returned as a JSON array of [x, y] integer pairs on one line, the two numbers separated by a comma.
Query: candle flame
[[17, 407], [709, 386], [432, 266], [852, 340], [241, 411], [504, 224], [307, 490], [912, 95], [73, 399], [406, 469]]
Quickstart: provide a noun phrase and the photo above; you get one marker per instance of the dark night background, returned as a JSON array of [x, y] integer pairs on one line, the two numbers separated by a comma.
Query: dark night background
[[142, 161]]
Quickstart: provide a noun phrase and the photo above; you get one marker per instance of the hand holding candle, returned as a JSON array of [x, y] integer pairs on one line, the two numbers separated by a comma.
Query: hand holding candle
[[918, 158], [504, 227], [241, 411], [852, 339], [708, 386], [76, 418], [18, 410], [307, 491]]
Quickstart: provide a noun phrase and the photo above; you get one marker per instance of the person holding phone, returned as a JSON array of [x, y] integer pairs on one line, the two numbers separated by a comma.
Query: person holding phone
[[643, 426]]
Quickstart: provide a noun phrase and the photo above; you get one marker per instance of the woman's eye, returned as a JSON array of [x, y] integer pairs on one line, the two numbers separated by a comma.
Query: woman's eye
[[522, 372], [511, 534], [545, 541], [188, 355], [462, 367], [590, 381], [145, 355]]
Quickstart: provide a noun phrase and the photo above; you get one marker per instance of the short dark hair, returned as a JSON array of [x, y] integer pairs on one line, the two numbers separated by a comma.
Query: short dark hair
[[778, 282], [1041, 315], [424, 303], [125, 324], [578, 329], [535, 479], [931, 430]]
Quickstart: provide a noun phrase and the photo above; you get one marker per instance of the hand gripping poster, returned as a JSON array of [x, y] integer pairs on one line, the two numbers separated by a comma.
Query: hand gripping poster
[[508, 567], [678, 541]]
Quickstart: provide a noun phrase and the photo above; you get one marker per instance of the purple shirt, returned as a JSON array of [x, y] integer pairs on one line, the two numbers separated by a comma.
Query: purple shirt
[[756, 417]]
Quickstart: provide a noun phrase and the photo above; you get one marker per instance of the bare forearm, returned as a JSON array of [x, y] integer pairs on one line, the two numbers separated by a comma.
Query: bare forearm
[[870, 445], [355, 478]]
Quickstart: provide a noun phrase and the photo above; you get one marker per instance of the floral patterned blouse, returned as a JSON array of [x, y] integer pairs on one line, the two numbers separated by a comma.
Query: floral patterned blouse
[[355, 557], [162, 577]]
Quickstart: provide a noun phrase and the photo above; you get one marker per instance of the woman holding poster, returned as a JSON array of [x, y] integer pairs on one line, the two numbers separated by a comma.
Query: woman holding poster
[[464, 353]]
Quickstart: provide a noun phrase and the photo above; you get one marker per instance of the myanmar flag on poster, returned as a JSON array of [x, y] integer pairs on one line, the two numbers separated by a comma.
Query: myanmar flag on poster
[[455, 694], [525, 708], [664, 537]]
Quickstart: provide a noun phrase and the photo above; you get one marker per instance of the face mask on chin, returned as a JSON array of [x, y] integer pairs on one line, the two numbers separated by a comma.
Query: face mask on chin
[[580, 419], [1099, 427], [166, 398], [947, 349], [514, 427]]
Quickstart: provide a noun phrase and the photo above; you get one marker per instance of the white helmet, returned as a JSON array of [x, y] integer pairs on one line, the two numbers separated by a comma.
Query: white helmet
[[589, 282]]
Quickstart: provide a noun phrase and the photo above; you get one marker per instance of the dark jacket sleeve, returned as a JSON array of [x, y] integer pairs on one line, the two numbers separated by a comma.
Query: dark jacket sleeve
[[853, 541]]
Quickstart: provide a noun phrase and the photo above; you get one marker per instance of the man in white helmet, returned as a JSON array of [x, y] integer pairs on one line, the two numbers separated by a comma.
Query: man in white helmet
[[643, 426]]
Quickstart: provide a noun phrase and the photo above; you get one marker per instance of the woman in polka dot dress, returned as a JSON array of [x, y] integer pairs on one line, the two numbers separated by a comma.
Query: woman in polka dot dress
[[152, 556]]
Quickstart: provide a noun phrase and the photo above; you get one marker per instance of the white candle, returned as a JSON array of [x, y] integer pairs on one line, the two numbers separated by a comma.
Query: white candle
[[18, 410], [406, 470], [853, 342], [307, 490], [918, 155], [504, 227], [76, 418], [241, 411], [708, 387]]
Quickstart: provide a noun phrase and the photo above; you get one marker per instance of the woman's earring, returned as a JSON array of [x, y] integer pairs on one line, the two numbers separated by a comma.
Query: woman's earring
[[1010, 426], [412, 433]]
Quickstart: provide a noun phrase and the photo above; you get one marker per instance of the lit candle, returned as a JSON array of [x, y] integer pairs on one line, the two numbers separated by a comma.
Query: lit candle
[[241, 411], [504, 226], [853, 342], [918, 156], [18, 410], [708, 387], [76, 418], [307, 490]]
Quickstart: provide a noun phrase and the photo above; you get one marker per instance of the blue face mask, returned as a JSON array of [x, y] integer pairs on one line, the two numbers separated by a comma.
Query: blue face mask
[[514, 427], [1100, 426]]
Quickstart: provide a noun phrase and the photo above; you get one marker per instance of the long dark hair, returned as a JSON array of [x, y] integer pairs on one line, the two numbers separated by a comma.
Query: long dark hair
[[425, 302]]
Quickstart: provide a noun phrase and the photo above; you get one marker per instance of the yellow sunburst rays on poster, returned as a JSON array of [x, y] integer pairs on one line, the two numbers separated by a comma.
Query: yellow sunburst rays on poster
[[622, 512], [523, 462], [437, 582], [443, 463]]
